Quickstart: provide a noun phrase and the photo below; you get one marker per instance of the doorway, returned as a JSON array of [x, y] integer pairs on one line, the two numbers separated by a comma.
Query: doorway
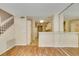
[[39, 26], [36, 26]]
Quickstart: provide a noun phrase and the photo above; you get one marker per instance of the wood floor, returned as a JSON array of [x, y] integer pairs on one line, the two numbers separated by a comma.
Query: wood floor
[[39, 51]]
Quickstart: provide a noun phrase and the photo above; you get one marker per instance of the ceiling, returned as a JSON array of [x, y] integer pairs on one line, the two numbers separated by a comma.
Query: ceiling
[[33, 9], [72, 12]]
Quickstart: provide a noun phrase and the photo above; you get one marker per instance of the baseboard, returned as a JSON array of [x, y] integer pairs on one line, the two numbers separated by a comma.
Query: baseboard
[[7, 50], [12, 47], [21, 45], [61, 46]]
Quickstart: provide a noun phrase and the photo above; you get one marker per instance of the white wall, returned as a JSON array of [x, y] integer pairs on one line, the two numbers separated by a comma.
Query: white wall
[[7, 40], [58, 39], [15, 35], [46, 39], [28, 35], [20, 31], [61, 20], [56, 23]]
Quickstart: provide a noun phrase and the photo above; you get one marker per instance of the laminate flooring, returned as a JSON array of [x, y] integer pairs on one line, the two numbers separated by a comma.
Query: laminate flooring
[[41, 51]]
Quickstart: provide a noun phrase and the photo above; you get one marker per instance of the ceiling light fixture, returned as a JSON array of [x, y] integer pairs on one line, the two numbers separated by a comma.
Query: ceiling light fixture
[[41, 21]]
